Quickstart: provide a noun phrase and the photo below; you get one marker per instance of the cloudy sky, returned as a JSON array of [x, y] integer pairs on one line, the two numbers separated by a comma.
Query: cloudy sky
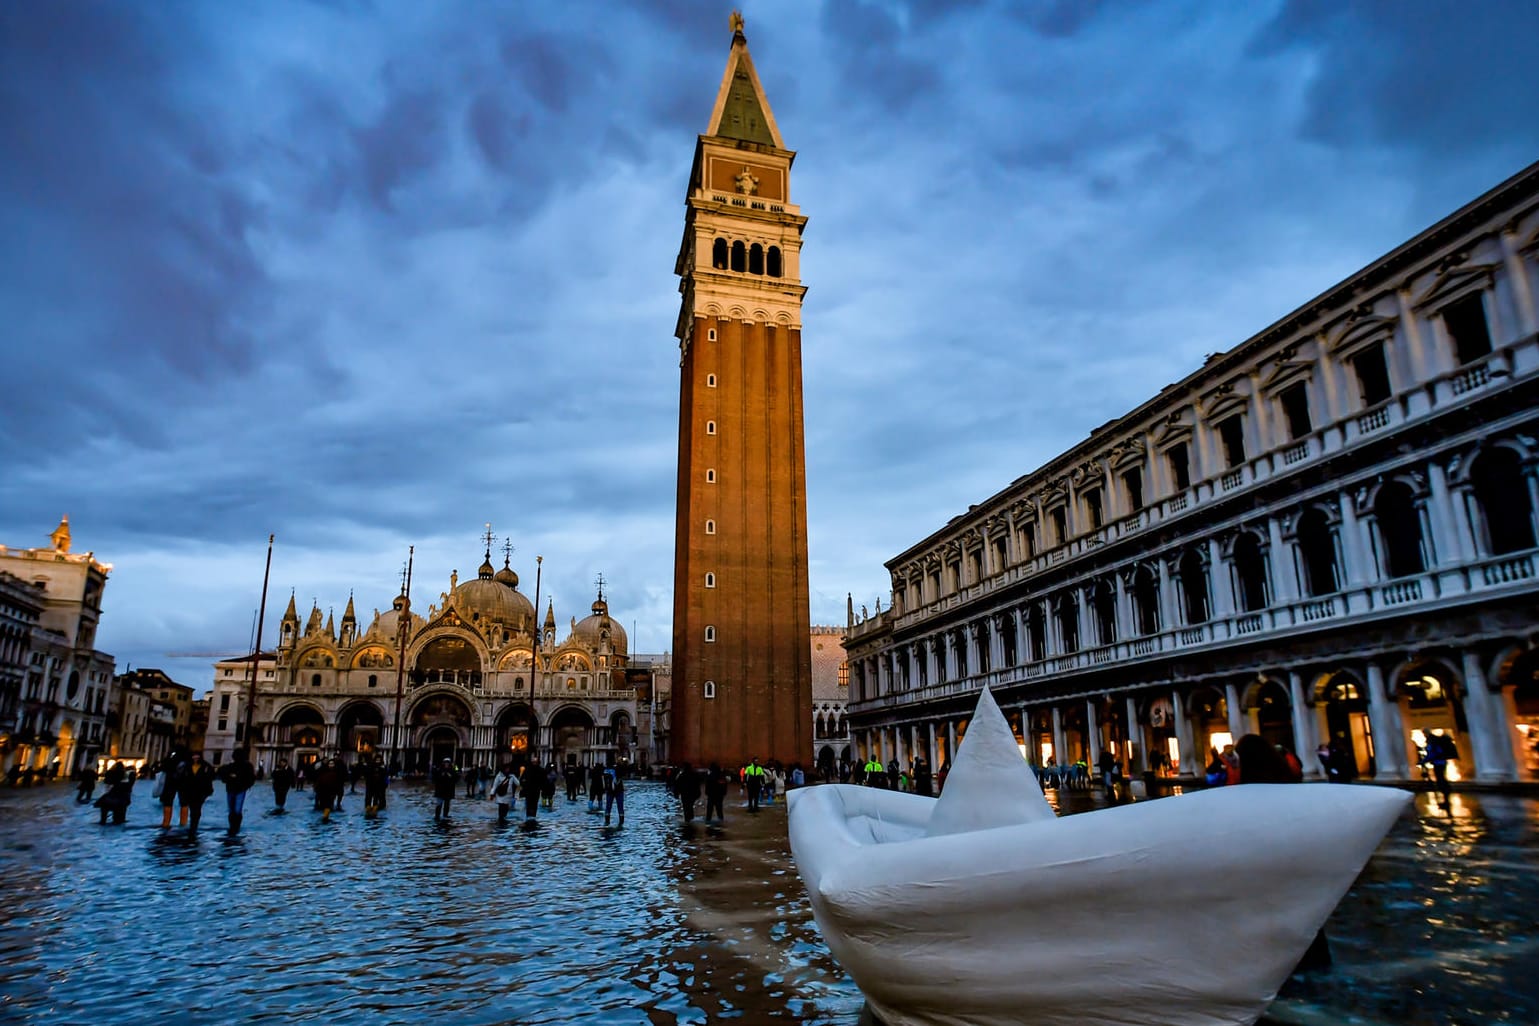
[[368, 275]]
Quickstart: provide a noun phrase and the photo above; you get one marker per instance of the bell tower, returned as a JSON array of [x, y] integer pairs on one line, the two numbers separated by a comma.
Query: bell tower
[[742, 675]]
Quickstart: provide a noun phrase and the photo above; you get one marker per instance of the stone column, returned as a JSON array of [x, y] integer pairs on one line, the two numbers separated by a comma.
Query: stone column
[[1138, 761], [1359, 568], [1092, 734], [1446, 550], [1388, 733], [1280, 562], [951, 741], [1191, 766], [1304, 740], [1127, 623], [932, 756], [1490, 734], [1219, 584], [1060, 748], [1236, 714], [1050, 644], [1170, 606]]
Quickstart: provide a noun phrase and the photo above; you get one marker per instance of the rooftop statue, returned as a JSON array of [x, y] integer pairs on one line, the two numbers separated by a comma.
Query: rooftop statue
[[983, 907]]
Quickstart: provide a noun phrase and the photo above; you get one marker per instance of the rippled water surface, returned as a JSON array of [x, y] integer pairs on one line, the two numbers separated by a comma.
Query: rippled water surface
[[398, 920]]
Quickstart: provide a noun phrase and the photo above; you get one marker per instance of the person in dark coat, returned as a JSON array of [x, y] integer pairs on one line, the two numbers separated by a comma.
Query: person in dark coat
[[194, 788], [595, 788], [548, 789], [444, 779], [715, 793], [533, 784], [283, 781], [119, 793], [375, 783], [328, 780], [87, 785], [614, 794], [686, 784], [573, 781], [238, 776]]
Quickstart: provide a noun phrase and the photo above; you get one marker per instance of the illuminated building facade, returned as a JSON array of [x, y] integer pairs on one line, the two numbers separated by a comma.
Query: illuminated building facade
[[1327, 535], [479, 683]]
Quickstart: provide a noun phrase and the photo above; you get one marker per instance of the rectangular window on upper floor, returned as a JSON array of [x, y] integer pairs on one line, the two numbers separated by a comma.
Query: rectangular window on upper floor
[[1093, 509], [1180, 466], [1133, 481], [1231, 433], [1465, 322], [1029, 539], [1060, 526], [1001, 555], [974, 566], [1372, 375], [1295, 406]]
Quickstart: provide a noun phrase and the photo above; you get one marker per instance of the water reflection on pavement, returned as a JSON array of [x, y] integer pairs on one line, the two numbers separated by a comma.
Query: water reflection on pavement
[[399, 920]]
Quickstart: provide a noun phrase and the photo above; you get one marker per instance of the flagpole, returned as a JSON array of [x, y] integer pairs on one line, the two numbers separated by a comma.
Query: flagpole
[[403, 619], [256, 651]]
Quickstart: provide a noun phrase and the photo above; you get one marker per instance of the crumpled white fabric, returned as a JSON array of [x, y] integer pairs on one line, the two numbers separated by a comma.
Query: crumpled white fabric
[[977, 909]]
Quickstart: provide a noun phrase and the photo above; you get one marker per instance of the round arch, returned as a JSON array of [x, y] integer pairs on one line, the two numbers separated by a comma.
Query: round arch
[[1430, 694], [571, 734], [301, 733], [360, 724], [1267, 700], [449, 656], [1341, 704]]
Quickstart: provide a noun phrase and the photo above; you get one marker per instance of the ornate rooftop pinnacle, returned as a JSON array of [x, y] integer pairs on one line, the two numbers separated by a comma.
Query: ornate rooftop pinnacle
[[60, 535], [736, 21]]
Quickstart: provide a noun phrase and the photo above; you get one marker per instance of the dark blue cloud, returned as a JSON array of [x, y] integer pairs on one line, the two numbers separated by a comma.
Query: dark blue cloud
[[370, 275]]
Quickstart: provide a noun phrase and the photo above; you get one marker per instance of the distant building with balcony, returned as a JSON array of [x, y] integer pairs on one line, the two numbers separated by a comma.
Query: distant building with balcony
[[128, 728], [1326, 535], [233, 683], [830, 699], [58, 720], [21, 608], [177, 697], [477, 680]]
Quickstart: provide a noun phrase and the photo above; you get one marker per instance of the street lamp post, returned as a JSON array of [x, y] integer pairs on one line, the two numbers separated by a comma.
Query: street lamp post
[[256, 652]]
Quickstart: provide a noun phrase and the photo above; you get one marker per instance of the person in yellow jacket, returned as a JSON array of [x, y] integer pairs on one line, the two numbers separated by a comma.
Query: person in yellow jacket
[[876, 773], [753, 780]]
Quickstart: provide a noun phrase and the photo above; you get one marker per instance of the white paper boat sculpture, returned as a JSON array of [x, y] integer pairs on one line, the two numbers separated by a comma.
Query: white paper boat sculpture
[[982, 907]]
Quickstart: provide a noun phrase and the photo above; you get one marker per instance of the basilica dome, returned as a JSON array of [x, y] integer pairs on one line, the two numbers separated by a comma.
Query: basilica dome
[[487, 599], [590, 629], [388, 622]]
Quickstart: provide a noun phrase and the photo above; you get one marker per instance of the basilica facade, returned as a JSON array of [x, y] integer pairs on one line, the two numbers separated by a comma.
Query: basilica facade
[[1328, 535], [476, 680]]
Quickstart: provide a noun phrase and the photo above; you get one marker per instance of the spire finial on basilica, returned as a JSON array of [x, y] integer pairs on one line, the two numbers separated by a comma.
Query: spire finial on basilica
[[736, 21]]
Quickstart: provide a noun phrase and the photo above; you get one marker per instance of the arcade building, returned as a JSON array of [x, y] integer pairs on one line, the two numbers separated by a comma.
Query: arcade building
[[1328, 534]]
